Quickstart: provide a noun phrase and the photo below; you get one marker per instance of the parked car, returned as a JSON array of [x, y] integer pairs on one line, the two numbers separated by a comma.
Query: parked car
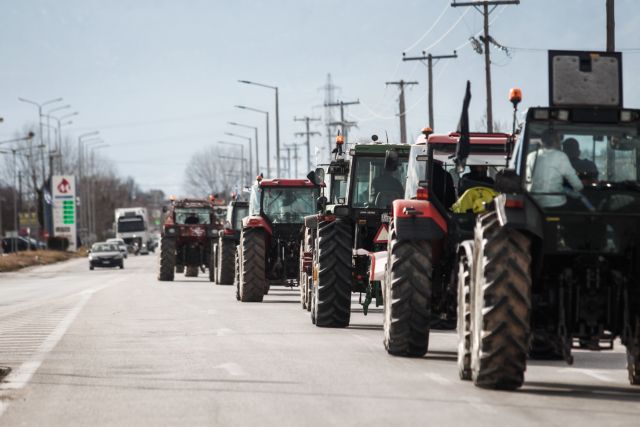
[[105, 254], [122, 246], [15, 244]]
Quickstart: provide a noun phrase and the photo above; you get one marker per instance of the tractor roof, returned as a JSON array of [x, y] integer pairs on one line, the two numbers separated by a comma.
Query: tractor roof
[[282, 182], [381, 149], [476, 138], [192, 203]]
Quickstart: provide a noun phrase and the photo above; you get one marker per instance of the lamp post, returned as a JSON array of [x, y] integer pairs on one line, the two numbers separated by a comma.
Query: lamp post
[[255, 129], [48, 116], [266, 113], [248, 139], [92, 194], [82, 188], [40, 105], [275, 88], [236, 144]]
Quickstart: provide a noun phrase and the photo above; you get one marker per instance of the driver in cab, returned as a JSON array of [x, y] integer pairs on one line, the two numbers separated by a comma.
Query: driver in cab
[[548, 169]]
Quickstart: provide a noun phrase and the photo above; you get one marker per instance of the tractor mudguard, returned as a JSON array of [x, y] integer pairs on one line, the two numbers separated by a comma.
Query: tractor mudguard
[[256, 222], [418, 220], [519, 212]]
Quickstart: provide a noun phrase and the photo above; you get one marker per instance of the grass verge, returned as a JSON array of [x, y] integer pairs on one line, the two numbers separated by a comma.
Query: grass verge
[[18, 260]]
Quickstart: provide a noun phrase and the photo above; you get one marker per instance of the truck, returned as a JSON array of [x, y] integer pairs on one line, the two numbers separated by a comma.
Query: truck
[[132, 226]]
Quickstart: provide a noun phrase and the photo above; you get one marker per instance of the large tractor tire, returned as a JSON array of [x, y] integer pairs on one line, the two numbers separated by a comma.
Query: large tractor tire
[[332, 291], [192, 271], [211, 264], [236, 277], [167, 259], [407, 297], [226, 254], [252, 281], [501, 305], [179, 269], [464, 316]]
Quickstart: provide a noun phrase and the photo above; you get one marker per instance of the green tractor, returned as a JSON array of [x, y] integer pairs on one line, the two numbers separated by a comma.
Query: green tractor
[[351, 227], [556, 259]]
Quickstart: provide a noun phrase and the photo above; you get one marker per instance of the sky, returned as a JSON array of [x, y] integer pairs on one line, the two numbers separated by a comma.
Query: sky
[[158, 78]]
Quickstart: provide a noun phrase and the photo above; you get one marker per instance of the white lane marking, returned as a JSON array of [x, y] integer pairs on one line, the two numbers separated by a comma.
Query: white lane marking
[[232, 368], [437, 378], [593, 373], [20, 377], [223, 332]]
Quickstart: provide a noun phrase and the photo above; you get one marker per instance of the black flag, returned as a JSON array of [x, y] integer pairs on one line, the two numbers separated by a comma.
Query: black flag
[[463, 147]]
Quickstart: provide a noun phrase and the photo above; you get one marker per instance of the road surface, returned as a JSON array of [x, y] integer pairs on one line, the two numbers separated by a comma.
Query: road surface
[[115, 346]]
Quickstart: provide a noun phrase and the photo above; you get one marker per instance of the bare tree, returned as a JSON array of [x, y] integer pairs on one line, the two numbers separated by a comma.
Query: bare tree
[[212, 171]]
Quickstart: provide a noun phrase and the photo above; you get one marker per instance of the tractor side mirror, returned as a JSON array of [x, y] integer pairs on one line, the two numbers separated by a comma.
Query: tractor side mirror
[[391, 160], [321, 204], [317, 176], [508, 181]]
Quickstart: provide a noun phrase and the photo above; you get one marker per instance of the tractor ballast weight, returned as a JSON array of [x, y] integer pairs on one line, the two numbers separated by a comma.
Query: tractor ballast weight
[[188, 232]]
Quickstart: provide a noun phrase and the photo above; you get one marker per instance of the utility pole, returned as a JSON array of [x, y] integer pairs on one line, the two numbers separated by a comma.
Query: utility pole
[[429, 58], [344, 125], [611, 26], [308, 134], [403, 120], [295, 158], [486, 40]]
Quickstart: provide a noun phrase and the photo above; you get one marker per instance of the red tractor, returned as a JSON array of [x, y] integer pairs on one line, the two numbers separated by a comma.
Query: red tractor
[[189, 230], [431, 230], [269, 247], [228, 240]]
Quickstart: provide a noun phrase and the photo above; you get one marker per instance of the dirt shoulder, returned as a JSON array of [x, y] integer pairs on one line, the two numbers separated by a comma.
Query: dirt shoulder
[[19, 260]]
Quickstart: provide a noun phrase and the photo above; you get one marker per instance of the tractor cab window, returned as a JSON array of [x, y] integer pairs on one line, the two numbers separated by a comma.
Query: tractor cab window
[[376, 187], [289, 204], [235, 216], [338, 188], [595, 158], [193, 216], [254, 200]]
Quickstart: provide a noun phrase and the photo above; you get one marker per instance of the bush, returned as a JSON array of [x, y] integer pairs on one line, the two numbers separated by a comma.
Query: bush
[[58, 243]]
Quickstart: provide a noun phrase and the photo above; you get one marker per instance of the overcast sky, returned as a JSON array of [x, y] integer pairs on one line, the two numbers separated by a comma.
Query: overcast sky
[[158, 78]]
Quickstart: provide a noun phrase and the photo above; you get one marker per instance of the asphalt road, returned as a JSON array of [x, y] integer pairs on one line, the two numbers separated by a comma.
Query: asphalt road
[[115, 346]]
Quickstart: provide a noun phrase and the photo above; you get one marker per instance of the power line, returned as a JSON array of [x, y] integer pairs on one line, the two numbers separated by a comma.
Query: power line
[[344, 124], [444, 10], [308, 133]]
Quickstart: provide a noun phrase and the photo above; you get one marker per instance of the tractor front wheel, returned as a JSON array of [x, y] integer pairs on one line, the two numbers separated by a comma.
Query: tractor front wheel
[[226, 262], [464, 316], [633, 355]]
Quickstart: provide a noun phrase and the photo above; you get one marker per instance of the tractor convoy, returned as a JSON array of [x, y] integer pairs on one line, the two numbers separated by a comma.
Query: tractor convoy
[[525, 242]]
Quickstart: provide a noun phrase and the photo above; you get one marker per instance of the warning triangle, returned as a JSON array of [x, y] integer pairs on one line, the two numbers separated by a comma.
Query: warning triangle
[[382, 236]]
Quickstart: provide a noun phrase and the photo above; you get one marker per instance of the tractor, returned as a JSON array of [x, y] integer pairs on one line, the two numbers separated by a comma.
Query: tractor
[[188, 232], [269, 249], [334, 175], [225, 248], [555, 258], [351, 227], [427, 232]]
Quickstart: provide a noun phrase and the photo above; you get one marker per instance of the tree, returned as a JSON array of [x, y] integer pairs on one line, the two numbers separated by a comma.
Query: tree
[[209, 171]]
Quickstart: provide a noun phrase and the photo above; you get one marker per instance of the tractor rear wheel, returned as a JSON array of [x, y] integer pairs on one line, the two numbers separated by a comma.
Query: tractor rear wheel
[[236, 278], [211, 264], [167, 259], [226, 253], [252, 281], [464, 316], [332, 291], [501, 305], [407, 297]]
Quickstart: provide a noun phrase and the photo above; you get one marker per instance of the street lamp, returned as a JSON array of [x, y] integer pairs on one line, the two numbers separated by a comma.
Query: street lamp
[[48, 116], [92, 199], [255, 128], [247, 82], [266, 113], [248, 139], [236, 144]]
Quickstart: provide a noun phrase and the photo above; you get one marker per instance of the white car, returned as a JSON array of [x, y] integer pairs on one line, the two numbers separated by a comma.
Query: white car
[[122, 246]]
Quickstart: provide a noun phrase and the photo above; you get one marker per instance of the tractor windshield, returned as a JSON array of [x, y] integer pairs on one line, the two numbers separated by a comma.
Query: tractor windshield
[[577, 166], [374, 186], [289, 204], [191, 216]]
